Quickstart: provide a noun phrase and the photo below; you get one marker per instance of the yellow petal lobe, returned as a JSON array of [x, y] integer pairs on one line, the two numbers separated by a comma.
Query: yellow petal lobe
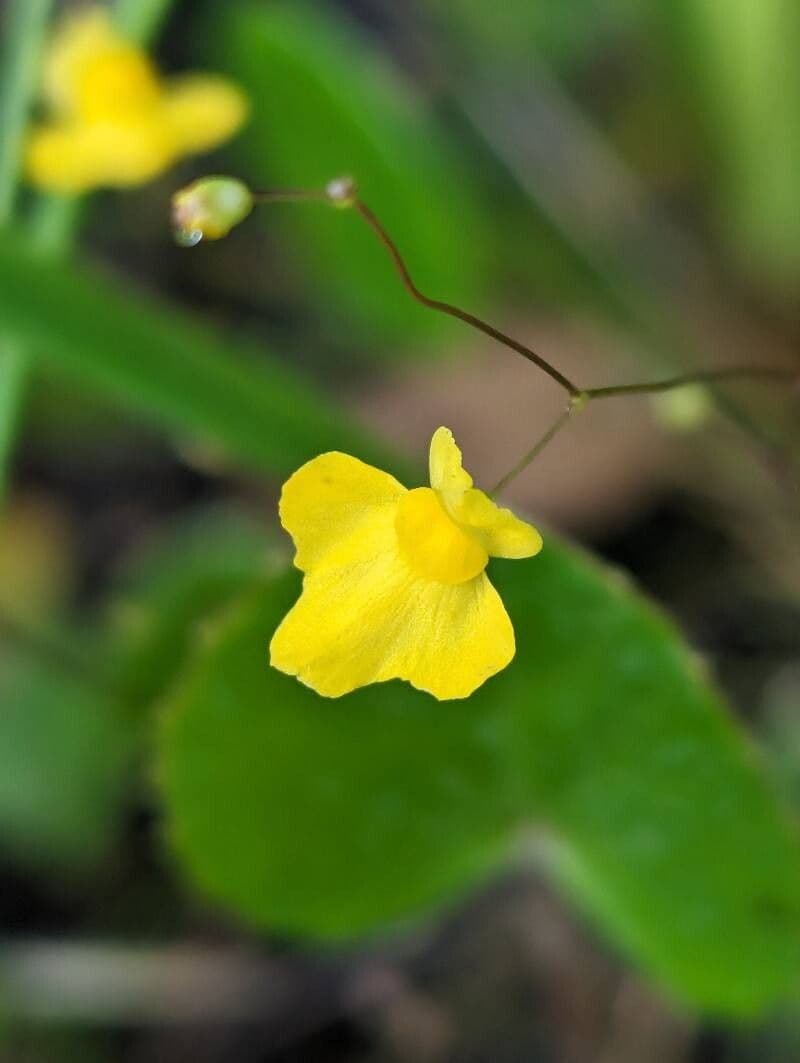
[[81, 38], [77, 158], [369, 622], [332, 499], [447, 474], [432, 544], [500, 532], [203, 111], [116, 85]]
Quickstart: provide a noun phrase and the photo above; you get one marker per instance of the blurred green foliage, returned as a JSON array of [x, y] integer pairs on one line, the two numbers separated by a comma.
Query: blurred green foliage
[[564, 34], [739, 64], [65, 764], [167, 367], [323, 85]]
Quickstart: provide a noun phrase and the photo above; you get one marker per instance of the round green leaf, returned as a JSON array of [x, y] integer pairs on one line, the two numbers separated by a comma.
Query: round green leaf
[[602, 740]]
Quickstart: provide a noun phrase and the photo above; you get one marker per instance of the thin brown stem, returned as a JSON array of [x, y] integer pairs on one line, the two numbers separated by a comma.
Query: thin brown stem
[[342, 194], [701, 376], [454, 311], [291, 195], [536, 449]]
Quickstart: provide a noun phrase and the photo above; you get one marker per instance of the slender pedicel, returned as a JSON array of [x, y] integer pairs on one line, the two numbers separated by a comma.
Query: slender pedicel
[[765, 373], [572, 407], [342, 193]]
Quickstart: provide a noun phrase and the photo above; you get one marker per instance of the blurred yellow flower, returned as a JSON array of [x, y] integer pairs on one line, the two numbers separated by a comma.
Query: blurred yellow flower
[[112, 121], [394, 584]]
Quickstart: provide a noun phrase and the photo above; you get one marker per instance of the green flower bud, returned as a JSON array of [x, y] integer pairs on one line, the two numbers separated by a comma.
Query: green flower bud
[[209, 208]]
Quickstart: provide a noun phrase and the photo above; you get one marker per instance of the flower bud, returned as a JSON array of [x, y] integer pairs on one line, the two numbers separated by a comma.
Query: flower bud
[[209, 208], [683, 410]]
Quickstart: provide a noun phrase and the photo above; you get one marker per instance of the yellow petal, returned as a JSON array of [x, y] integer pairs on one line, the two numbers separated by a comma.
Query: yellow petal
[[82, 37], [447, 474], [77, 158], [500, 532], [203, 111], [333, 498], [432, 543], [118, 85], [368, 621]]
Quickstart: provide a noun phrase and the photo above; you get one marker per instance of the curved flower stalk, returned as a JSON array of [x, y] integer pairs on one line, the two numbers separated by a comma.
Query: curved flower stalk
[[112, 121], [211, 206], [395, 583]]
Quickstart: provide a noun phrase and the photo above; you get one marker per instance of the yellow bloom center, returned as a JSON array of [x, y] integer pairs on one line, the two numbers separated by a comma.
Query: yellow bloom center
[[116, 83], [432, 544]]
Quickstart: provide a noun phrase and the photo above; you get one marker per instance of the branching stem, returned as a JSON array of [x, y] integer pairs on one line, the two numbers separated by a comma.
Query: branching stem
[[701, 376], [454, 311], [368, 215], [535, 450], [342, 194]]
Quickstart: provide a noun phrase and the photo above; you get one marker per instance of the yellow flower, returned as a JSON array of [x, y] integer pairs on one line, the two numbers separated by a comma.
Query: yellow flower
[[112, 121], [395, 584]]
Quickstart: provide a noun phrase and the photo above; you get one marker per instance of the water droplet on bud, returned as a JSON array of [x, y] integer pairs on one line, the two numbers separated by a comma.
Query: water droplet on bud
[[209, 208], [188, 237]]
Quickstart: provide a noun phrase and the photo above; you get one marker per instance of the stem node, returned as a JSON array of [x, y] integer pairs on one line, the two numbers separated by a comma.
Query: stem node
[[342, 192]]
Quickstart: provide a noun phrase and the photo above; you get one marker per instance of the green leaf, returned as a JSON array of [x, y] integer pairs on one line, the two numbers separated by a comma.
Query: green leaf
[[168, 590], [325, 103], [159, 363], [602, 741], [64, 765]]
